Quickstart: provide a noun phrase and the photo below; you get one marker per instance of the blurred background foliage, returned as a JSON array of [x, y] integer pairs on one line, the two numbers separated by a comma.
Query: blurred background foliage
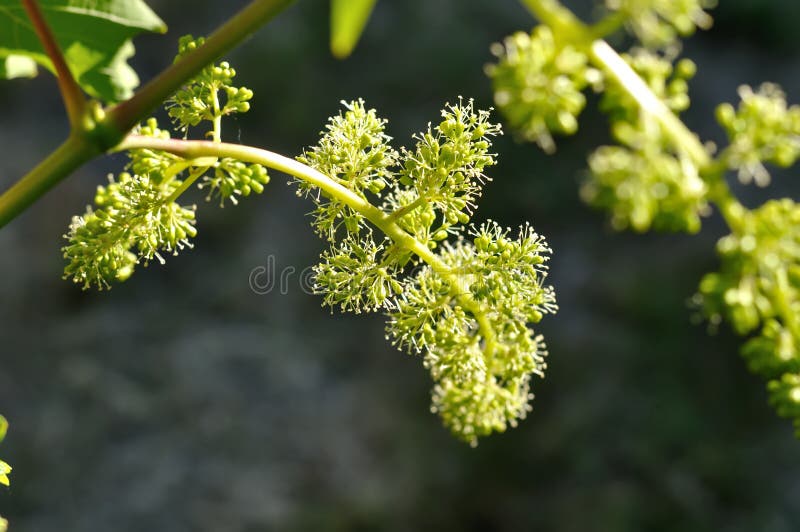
[[181, 400]]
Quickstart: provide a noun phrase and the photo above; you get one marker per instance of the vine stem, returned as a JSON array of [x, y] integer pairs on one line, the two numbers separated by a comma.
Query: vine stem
[[71, 93], [71, 154], [195, 149]]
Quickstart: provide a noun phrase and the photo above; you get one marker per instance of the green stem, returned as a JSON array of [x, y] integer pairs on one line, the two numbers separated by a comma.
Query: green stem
[[563, 22], [73, 153], [608, 25], [606, 58], [216, 133], [682, 138], [193, 149], [71, 93], [402, 211], [188, 182]]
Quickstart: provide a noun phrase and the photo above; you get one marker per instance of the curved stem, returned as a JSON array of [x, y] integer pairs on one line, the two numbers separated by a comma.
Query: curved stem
[[71, 93], [192, 149]]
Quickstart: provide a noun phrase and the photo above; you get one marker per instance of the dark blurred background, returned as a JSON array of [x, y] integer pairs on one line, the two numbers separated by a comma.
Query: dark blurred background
[[183, 401]]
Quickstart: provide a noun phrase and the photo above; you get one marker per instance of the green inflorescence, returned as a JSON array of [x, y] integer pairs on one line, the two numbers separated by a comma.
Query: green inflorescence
[[763, 129], [136, 217], [210, 95], [466, 308], [354, 152], [134, 220], [758, 290], [659, 23], [538, 85], [659, 175], [646, 181]]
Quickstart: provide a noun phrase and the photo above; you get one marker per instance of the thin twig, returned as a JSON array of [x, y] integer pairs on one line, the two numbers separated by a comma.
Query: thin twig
[[71, 93]]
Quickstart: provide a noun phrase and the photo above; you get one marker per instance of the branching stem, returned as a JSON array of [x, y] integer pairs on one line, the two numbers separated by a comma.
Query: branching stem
[[192, 149]]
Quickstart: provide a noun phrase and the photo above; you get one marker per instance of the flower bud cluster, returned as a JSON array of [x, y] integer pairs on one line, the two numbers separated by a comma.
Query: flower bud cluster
[[646, 181], [134, 220], [467, 309], [538, 85], [232, 178], [758, 290], [763, 129], [355, 152], [355, 275], [659, 23], [202, 98], [136, 217], [446, 169]]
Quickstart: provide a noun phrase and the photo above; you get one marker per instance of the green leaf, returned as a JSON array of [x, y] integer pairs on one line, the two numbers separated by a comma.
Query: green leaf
[[3, 427], [94, 36], [348, 18]]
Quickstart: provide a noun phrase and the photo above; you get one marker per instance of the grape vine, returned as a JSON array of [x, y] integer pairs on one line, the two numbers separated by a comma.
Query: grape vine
[[462, 296]]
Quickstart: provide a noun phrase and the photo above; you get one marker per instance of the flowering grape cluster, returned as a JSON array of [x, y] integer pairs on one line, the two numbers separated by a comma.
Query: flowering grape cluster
[[647, 181], [758, 290], [659, 175], [136, 217], [763, 129], [354, 152], [201, 100], [658, 23], [134, 221], [538, 85], [465, 306]]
